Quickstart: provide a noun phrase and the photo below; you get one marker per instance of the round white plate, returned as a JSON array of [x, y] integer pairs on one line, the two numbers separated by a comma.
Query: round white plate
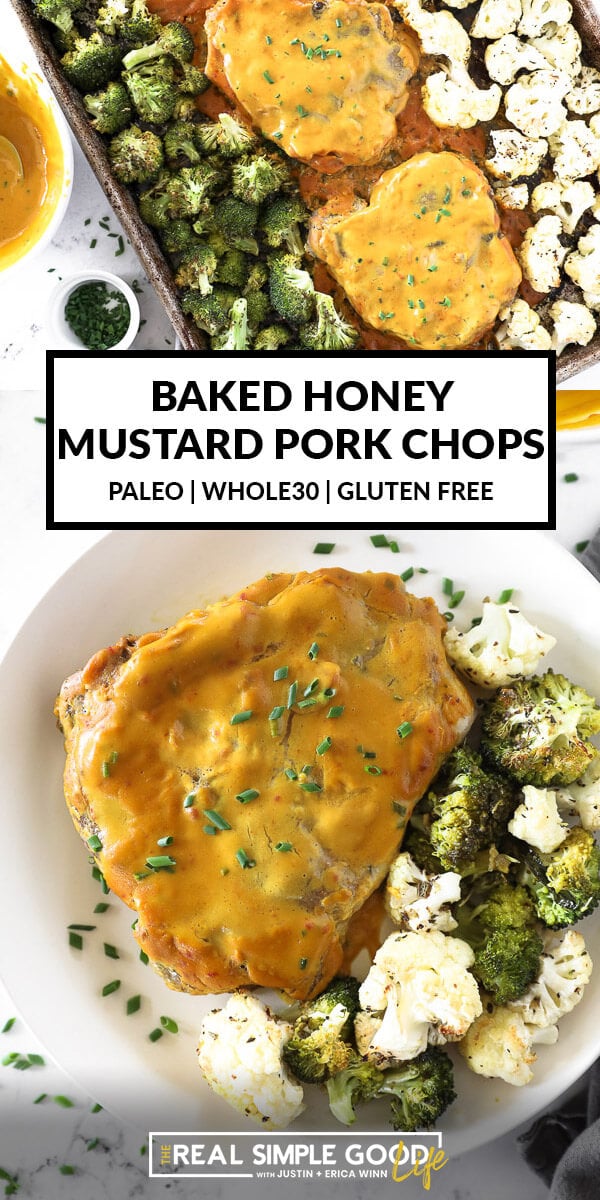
[[137, 581]]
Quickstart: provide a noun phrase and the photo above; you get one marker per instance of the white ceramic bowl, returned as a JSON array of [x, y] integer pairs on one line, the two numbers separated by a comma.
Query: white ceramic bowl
[[43, 89], [63, 337]]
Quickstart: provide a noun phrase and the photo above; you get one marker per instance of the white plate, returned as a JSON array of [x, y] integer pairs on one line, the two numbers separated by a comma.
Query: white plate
[[136, 581]]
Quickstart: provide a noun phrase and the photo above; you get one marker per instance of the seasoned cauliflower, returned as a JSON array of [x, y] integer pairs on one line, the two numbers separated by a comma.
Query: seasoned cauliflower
[[583, 266], [573, 325], [439, 33], [239, 1053], [539, 14], [509, 55], [499, 1046], [537, 820], [568, 201], [515, 154], [494, 18], [514, 195], [535, 102], [541, 254], [584, 96], [521, 329], [416, 900], [561, 48], [584, 796], [575, 148], [452, 99], [419, 989], [566, 969], [502, 647]]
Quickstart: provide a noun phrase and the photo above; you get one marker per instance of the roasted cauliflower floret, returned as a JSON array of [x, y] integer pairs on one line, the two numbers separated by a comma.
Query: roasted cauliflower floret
[[502, 647], [561, 48], [584, 796], [439, 33], [515, 154], [240, 1056], [535, 102], [575, 148], [521, 329], [584, 96], [509, 55], [541, 254], [573, 325], [568, 201], [418, 990], [566, 968], [538, 15], [416, 900], [583, 266], [499, 1046], [514, 195], [494, 18], [537, 820], [452, 99]]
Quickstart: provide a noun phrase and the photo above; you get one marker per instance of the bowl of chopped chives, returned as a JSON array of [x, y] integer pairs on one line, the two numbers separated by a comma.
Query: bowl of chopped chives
[[96, 311]]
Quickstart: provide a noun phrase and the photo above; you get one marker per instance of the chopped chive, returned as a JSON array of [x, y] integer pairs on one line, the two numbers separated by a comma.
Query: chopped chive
[[155, 1035], [210, 830], [338, 22], [63, 1102], [243, 859], [22, 1064], [404, 729], [447, 587], [94, 842], [280, 673], [476, 621], [408, 574], [144, 958], [109, 988], [6, 1028], [276, 712], [371, 769], [75, 940], [91, 1145], [40, 420], [121, 249], [139, 875], [448, 616], [160, 862], [379, 540], [165, 841], [9, 1059], [505, 596], [306, 770], [292, 691], [335, 711], [312, 687], [36, 1060], [133, 1005], [248, 795], [83, 928], [303, 963], [268, 40], [284, 847], [329, 692], [111, 951], [268, 77], [365, 753], [169, 1024], [42, 1096], [239, 718], [423, 570], [311, 786], [324, 746], [314, 650], [323, 547], [394, 547], [106, 769], [581, 546], [189, 800], [456, 598], [571, 477], [306, 703], [216, 818], [290, 773], [66, 1169], [96, 1108]]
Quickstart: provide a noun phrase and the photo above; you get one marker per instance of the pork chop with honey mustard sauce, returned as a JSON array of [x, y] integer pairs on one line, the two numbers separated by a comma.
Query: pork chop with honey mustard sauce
[[261, 738]]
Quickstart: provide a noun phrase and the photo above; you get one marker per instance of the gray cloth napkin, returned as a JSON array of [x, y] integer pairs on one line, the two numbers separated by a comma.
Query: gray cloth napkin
[[563, 1147]]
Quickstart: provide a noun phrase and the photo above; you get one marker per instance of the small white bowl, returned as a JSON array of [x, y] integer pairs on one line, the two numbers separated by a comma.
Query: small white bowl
[[63, 337]]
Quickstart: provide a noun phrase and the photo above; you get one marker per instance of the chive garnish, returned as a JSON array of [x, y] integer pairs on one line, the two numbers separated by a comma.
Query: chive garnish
[[109, 988], [447, 587], [312, 687], [303, 963], [371, 769], [91, 1145], [404, 729], [165, 841], [94, 842], [476, 621], [75, 940], [456, 598], [276, 712], [9, 1059], [111, 951], [155, 1035], [505, 596], [139, 875], [189, 800], [314, 650], [64, 1102], [216, 819], [324, 746], [133, 1005], [105, 769], [239, 718], [160, 862], [311, 786], [306, 770], [291, 700], [246, 796], [581, 546], [96, 1108], [365, 753], [210, 830], [82, 928], [284, 847], [243, 859], [66, 1169], [571, 477], [280, 673], [323, 547], [36, 1060], [6, 1028], [394, 547], [144, 958], [379, 540], [329, 692], [268, 77], [336, 710], [169, 1024], [42, 1096], [448, 616], [290, 773], [101, 907], [306, 703], [408, 574]]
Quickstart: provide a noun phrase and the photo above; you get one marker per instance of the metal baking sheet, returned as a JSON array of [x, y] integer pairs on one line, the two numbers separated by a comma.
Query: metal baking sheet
[[576, 358]]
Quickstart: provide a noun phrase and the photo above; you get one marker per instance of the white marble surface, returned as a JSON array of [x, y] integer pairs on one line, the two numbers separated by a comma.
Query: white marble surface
[[35, 1141]]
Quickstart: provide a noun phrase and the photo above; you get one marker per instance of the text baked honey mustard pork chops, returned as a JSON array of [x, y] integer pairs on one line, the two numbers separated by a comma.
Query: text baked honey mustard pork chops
[[245, 775]]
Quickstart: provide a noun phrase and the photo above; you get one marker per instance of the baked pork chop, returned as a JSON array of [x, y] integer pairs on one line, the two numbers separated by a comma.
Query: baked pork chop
[[245, 775]]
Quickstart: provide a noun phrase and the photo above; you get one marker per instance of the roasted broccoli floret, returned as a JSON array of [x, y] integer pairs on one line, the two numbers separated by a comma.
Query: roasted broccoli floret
[[235, 336], [291, 290], [498, 921], [257, 277], [259, 307], [154, 203], [421, 1090], [173, 40], [418, 844], [233, 269], [210, 313], [207, 136], [185, 108], [470, 808], [564, 885], [109, 109], [273, 337], [255, 179], [280, 224], [537, 730], [320, 1044], [136, 155], [231, 139], [237, 222], [111, 15], [92, 63], [180, 147], [197, 269], [177, 236], [328, 331], [152, 91], [358, 1083], [57, 12], [190, 188], [140, 26], [192, 81]]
